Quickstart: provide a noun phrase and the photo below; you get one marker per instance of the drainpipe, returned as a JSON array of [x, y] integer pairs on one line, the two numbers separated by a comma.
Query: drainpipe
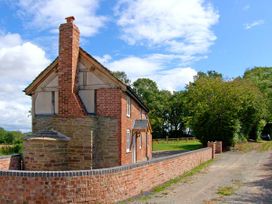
[[146, 148]]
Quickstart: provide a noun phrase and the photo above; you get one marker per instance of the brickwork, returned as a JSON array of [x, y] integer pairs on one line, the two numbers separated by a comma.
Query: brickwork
[[96, 186], [81, 131], [46, 155], [216, 146], [69, 102], [12, 162], [108, 104], [127, 123], [106, 153]]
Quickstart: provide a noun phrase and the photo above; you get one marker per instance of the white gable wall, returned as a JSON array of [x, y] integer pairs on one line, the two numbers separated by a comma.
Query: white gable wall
[[89, 79], [45, 99]]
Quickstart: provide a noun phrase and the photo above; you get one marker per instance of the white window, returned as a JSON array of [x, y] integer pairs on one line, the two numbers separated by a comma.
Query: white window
[[128, 138], [128, 106]]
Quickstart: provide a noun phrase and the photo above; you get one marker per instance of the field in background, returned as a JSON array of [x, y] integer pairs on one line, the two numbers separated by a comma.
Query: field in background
[[175, 144]]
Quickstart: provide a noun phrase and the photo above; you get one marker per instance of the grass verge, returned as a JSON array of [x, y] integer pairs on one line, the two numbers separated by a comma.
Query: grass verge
[[176, 145], [257, 146], [179, 179]]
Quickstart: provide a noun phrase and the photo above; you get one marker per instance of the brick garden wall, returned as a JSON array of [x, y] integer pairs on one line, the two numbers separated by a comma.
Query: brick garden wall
[[96, 186], [11, 162]]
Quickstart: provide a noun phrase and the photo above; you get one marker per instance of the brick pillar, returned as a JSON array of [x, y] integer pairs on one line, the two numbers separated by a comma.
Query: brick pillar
[[69, 101], [218, 147], [212, 145]]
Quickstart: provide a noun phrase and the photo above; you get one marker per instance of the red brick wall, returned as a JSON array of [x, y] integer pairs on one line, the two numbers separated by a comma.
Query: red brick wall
[[108, 104], [69, 102], [127, 123], [96, 186], [12, 162]]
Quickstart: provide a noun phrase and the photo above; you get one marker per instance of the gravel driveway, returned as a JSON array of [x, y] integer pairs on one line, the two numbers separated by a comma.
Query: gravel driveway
[[249, 173]]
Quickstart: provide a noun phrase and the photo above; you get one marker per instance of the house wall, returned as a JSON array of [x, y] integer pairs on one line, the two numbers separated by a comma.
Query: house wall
[[96, 186], [127, 123], [108, 109], [81, 131]]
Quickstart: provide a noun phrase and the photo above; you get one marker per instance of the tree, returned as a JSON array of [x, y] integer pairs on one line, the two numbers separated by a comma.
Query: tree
[[262, 78], [122, 76], [177, 113], [224, 110]]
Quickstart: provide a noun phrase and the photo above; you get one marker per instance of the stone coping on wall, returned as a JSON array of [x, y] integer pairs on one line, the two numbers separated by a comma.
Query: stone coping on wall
[[9, 156], [90, 172]]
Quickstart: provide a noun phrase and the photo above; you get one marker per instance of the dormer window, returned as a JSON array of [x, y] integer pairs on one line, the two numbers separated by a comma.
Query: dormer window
[[128, 106]]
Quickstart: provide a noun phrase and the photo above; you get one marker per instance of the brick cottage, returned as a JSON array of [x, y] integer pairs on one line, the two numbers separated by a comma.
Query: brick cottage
[[83, 116]]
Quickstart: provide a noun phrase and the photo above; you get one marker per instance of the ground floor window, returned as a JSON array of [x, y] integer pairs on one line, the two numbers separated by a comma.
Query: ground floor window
[[128, 139]]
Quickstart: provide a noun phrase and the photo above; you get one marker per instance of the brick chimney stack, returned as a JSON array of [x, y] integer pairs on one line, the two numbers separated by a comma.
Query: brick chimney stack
[[70, 104]]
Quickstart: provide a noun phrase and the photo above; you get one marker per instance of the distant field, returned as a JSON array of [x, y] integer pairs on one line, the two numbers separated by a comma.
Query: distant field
[[163, 145]]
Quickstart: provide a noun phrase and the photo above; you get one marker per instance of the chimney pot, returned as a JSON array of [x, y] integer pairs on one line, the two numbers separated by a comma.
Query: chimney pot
[[70, 19]]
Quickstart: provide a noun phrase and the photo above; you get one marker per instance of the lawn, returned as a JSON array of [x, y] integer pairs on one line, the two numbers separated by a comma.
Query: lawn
[[163, 145]]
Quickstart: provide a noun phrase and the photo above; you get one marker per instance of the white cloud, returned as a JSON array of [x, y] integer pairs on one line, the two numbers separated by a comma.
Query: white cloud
[[153, 67], [174, 79], [20, 62], [179, 26], [253, 24], [246, 7], [48, 14]]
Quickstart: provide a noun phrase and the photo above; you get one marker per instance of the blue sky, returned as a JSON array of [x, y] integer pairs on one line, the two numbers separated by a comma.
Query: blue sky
[[167, 41]]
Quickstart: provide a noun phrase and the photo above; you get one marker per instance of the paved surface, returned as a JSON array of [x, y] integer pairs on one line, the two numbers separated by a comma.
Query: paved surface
[[249, 173]]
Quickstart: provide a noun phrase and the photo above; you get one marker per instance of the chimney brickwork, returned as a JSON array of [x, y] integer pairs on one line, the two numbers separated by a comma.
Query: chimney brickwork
[[70, 104]]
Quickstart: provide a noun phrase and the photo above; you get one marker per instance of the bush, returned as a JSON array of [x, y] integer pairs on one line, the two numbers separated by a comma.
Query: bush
[[11, 149]]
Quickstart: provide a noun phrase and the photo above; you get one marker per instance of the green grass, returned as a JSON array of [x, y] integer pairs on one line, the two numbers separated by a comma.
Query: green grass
[[180, 179], [257, 146], [229, 190], [226, 190], [162, 145]]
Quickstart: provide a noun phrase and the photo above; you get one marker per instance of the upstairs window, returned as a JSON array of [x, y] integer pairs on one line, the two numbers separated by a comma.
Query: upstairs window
[[128, 140], [128, 106]]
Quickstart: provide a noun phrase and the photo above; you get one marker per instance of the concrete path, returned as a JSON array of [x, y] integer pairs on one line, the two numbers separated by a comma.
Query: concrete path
[[250, 174]]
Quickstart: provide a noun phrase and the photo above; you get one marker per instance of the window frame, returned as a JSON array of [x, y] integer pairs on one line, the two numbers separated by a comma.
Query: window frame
[[128, 140], [128, 107]]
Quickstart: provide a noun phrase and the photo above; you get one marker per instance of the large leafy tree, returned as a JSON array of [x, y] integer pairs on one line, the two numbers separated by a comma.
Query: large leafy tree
[[224, 110], [262, 78]]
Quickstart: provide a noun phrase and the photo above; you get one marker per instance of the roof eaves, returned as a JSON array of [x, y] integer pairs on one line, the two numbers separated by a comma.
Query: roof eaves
[[129, 89], [47, 69]]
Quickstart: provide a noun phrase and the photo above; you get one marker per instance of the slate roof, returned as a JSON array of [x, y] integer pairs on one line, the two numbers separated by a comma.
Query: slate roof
[[141, 124], [48, 135]]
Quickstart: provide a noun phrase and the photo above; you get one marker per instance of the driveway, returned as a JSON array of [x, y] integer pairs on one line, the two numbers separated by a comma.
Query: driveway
[[248, 174]]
